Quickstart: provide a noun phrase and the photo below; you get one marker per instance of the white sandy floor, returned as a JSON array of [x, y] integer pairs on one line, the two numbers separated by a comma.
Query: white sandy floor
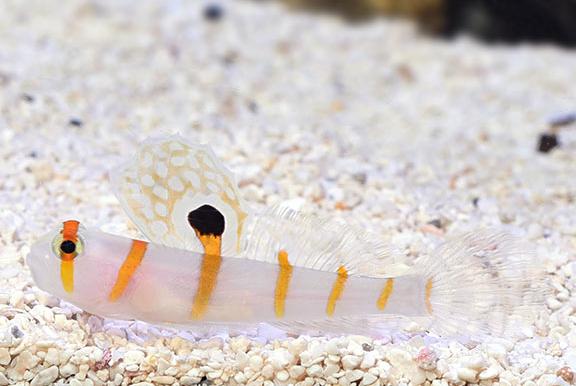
[[372, 123]]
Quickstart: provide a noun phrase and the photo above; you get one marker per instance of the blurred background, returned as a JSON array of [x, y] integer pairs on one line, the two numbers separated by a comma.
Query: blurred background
[[404, 111]]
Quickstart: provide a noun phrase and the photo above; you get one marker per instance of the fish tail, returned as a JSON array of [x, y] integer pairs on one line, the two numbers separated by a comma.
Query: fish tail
[[482, 283]]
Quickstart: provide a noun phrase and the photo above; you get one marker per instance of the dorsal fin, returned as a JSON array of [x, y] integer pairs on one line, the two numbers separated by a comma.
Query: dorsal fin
[[171, 188], [318, 243]]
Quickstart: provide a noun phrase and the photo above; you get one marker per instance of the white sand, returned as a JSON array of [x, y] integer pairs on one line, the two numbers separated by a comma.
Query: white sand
[[373, 123]]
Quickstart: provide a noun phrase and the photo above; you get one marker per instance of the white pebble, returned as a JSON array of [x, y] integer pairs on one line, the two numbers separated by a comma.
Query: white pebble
[[331, 369], [350, 362], [314, 371], [134, 357], [354, 375], [297, 372], [188, 380], [332, 347], [553, 303], [282, 376], [163, 379], [240, 377], [467, 374], [475, 362], [68, 369], [268, 371], [52, 357], [5, 357], [45, 377], [369, 360], [490, 373], [280, 359], [16, 298], [355, 348], [369, 379], [256, 362], [496, 351]]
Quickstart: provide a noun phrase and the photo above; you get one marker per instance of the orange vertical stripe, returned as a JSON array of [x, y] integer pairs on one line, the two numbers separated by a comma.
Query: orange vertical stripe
[[282, 283], [69, 232], [428, 295], [385, 295], [337, 290], [211, 262], [126, 271]]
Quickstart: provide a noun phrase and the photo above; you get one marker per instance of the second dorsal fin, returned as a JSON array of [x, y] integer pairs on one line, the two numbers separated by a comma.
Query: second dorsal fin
[[317, 243]]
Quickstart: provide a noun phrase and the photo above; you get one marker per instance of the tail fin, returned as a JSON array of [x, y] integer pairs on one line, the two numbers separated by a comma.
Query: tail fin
[[482, 283]]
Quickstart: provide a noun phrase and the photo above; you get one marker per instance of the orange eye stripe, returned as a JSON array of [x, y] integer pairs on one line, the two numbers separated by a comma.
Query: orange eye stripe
[[69, 232]]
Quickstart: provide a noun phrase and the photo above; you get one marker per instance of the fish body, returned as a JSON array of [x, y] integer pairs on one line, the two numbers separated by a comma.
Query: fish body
[[168, 285], [211, 260]]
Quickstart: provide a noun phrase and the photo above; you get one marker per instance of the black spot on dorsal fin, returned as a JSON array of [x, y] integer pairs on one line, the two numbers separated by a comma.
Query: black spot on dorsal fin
[[207, 220]]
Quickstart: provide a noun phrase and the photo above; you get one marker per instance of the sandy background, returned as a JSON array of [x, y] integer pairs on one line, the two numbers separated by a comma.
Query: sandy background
[[413, 138]]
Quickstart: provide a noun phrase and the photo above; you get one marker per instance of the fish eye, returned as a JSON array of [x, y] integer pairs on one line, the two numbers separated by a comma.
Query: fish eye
[[67, 249], [68, 246]]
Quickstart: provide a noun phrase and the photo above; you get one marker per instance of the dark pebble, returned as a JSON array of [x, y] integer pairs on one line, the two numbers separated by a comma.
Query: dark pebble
[[367, 347], [75, 122], [16, 332], [563, 120], [28, 98], [436, 222], [253, 107], [360, 177], [230, 58], [547, 142], [213, 12]]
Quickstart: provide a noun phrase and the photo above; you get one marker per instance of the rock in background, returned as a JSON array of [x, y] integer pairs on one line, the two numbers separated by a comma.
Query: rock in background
[[491, 20]]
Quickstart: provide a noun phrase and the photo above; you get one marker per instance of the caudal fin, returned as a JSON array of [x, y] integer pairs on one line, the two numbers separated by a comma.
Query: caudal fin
[[482, 283]]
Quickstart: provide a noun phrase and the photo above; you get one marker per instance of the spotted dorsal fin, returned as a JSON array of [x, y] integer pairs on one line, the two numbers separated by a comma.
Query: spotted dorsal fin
[[176, 193]]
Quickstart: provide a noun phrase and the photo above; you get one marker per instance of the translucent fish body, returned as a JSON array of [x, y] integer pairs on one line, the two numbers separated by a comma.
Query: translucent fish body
[[180, 287]]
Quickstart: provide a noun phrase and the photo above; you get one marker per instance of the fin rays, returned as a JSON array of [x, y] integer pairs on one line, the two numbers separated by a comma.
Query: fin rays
[[314, 242]]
